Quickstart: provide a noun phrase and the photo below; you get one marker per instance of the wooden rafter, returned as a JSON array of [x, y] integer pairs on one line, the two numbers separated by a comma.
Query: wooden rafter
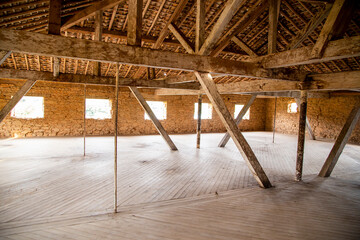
[[89, 12], [113, 14], [181, 37], [339, 10], [229, 11], [4, 55]]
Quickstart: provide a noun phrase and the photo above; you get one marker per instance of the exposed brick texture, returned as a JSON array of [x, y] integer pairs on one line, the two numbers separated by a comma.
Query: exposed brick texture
[[64, 111], [327, 116]]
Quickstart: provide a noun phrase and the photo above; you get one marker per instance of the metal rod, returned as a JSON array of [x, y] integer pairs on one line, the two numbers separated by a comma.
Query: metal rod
[[115, 140], [198, 129], [274, 120], [84, 116]]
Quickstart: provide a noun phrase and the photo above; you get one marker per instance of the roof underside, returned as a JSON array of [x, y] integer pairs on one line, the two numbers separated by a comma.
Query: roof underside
[[32, 15]]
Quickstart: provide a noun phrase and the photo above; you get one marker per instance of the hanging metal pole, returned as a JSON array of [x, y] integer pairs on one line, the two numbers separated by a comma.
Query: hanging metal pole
[[84, 116], [198, 129], [274, 121], [115, 140]]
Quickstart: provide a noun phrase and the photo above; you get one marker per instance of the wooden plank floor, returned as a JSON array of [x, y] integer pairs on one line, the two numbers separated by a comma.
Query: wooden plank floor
[[49, 191]]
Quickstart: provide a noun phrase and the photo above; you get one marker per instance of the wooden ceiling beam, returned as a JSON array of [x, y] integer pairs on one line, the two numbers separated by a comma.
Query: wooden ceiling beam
[[274, 10], [339, 49], [89, 12], [134, 30], [181, 38], [200, 24], [90, 79]]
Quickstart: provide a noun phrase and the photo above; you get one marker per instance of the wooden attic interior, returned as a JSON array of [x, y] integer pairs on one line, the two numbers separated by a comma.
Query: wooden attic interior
[[211, 50]]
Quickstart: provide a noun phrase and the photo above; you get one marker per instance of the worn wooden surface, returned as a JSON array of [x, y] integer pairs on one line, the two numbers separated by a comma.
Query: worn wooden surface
[[215, 98], [135, 22], [181, 38], [48, 190], [4, 55], [341, 141], [274, 10], [200, 24], [98, 37], [59, 46], [308, 127]]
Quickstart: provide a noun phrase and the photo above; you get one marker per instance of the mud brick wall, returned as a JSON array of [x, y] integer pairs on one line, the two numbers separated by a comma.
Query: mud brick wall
[[64, 110], [327, 116]]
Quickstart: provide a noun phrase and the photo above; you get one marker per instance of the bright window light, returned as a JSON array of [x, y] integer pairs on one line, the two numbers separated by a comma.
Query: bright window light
[[238, 108], [292, 108], [206, 111], [29, 108], [98, 108], [159, 109]]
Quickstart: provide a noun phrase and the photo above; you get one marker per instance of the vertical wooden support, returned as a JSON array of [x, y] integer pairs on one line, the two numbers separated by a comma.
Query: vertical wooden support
[[274, 120], [274, 9], [115, 140], [238, 119], [135, 22], [16, 98], [301, 135], [341, 141], [153, 118], [98, 37], [211, 91], [84, 117], [198, 129], [308, 127], [54, 28], [200, 24], [4, 55]]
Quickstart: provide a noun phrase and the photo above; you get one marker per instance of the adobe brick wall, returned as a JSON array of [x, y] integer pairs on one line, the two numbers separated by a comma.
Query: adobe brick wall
[[63, 112], [327, 116]]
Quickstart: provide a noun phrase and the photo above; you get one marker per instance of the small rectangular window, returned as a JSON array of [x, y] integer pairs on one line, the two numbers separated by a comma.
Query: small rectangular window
[[238, 108], [98, 108], [206, 111], [159, 109], [29, 108], [292, 108]]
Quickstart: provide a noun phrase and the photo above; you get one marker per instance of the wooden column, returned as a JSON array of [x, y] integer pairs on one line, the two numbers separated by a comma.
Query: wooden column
[[16, 98], [341, 141], [274, 9], [211, 91], [4, 55], [308, 127], [115, 133], [238, 119], [200, 24], [153, 118], [301, 135], [54, 28], [198, 129], [98, 37], [274, 120], [134, 22]]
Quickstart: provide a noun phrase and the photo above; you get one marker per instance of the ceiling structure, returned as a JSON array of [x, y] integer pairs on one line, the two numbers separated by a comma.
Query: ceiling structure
[[243, 38]]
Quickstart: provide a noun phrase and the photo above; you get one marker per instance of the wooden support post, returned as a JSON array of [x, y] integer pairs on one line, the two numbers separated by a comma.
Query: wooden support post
[[274, 9], [153, 118], [211, 91], [238, 119], [135, 22], [84, 117], [98, 37], [308, 127], [301, 135], [16, 98], [274, 120], [198, 129], [341, 141], [200, 24], [4, 55], [115, 134], [54, 28], [56, 70]]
